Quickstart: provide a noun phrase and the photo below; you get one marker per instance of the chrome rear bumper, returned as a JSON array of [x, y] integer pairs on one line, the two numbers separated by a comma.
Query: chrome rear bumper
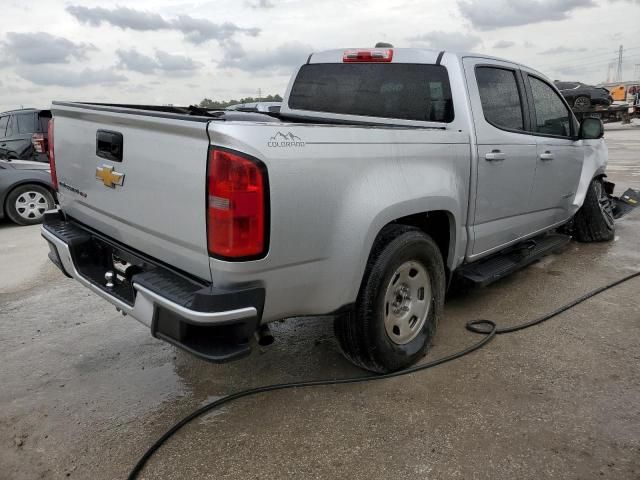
[[180, 311]]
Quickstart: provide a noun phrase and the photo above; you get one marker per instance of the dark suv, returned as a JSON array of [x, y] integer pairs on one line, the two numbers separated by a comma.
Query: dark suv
[[23, 134]]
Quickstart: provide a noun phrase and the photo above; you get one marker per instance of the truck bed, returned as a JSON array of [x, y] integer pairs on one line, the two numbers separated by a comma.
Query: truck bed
[[316, 170]]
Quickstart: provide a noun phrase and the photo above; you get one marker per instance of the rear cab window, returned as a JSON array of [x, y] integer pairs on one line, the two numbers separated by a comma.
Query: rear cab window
[[418, 92], [26, 122]]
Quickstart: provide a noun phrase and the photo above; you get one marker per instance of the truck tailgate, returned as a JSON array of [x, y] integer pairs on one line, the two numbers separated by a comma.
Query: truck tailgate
[[159, 208]]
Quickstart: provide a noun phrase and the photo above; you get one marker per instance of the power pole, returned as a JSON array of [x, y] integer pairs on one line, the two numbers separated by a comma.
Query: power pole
[[619, 71], [259, 94]]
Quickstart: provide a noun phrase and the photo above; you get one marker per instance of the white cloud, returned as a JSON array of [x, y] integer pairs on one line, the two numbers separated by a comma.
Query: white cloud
[[260, 4], [278, 59], [136, 61], [163, 51], [563, 49], [491, 14], [122, 17], [503, 44], [175, 63], [447, 41], [163, 61], [195, 30], [41, 47], [68, 77]]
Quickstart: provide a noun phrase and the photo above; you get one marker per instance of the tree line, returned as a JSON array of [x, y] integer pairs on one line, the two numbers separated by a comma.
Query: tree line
[[215, 104]]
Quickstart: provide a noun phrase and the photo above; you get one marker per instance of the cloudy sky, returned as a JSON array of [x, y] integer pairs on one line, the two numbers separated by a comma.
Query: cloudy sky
[[163, 51]]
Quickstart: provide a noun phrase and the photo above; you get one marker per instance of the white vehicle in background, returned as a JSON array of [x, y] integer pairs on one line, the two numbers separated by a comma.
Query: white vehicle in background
[[262, 107], [387, 172]]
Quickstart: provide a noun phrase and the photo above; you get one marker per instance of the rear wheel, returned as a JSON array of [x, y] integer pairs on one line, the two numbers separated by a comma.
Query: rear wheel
[[26, 204], [400, 301], [582, 103], [594, 221]]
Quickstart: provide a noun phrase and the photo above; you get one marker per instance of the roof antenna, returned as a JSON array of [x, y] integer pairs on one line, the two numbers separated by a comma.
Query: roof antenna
[[383, 45]]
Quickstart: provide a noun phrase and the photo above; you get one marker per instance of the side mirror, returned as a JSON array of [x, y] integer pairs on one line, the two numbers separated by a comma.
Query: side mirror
[[591, 129]]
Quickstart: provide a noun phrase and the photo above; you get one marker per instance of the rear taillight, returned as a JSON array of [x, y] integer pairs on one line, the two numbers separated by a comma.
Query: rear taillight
[[236, 206], [52, 156], [39, 142], [368, 55]]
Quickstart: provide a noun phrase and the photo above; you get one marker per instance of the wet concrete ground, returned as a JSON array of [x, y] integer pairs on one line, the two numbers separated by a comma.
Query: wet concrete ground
[[84, 391]]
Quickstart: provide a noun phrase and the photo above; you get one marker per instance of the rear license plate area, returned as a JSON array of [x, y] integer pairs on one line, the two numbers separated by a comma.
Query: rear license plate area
[[109, 267]]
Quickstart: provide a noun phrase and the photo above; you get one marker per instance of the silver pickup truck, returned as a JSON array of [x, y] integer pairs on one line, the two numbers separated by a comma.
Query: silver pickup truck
[[386, 173]]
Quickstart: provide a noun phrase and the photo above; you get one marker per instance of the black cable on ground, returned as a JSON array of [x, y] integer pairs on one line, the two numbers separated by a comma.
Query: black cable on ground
[[484, 327]]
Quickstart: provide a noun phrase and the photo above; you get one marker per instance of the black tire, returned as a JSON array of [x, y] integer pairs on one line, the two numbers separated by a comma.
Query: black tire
[[361, 333], [19, 217], [582, 103], [594, 221]]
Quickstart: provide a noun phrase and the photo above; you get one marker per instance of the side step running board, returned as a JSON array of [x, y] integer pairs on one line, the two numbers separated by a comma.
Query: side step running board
[[488, 270]]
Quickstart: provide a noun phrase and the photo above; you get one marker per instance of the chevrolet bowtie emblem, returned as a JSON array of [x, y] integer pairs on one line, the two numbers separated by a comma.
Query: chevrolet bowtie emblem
[[109, 177]]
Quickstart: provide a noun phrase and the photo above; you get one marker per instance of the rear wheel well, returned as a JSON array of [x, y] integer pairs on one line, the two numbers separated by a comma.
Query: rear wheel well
[[436, 224]]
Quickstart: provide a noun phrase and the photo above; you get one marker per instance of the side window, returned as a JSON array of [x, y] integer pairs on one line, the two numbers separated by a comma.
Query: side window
[[500, 97], [3, 125], [552, 116], [26, 122], [11, 129]]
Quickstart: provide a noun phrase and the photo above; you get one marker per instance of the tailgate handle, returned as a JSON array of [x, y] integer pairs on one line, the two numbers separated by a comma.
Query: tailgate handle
[[109, 145]]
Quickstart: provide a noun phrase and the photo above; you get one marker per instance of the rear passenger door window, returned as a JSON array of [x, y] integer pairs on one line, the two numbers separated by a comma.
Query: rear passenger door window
[[11, 128], [26, 123], [500, 97], [3, 125], [552, 117]]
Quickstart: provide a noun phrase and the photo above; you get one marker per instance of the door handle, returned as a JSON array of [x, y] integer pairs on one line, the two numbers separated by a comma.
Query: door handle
[[495, 156], [546, 156]]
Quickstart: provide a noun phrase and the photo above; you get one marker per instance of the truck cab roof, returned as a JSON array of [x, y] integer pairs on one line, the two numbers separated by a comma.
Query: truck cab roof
[[408, 55], [23, 110], [383, 86]]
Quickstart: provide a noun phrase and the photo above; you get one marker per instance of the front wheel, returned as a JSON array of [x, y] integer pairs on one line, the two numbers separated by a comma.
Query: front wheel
[[594, 221], [399, 304], [26, 204]]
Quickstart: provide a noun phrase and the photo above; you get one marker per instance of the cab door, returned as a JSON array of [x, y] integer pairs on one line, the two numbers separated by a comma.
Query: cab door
[[559, 155], [13, 143], [20, 128], [506, 155]]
